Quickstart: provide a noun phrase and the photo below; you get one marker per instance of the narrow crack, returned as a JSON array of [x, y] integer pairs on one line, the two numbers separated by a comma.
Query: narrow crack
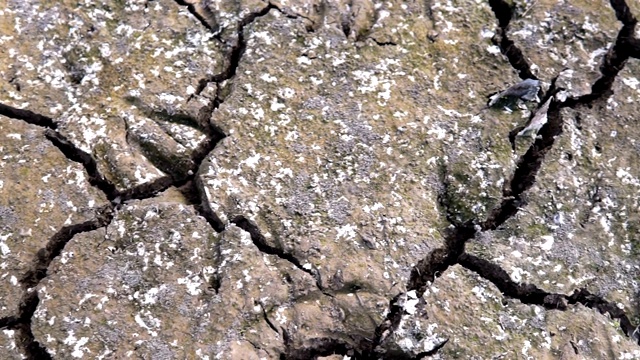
[[532, 295], [214, 136], [261, 243], [55, 245], [237, 50], [382, 43], [431, 352], [200, 10], [27, 116], [267, 320]]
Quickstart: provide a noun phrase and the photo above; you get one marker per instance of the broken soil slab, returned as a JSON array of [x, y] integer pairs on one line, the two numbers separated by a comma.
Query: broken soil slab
[[161, 280], [351, 142], [555, 36], [40, 191], [463, 307], [125, 282], [157, 58], [326, 155]]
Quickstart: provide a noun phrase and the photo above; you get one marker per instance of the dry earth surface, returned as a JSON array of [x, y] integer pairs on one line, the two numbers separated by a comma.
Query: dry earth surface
[[319, 179]]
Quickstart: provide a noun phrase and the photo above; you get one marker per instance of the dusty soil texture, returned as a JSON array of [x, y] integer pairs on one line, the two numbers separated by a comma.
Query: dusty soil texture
[[319, 179]]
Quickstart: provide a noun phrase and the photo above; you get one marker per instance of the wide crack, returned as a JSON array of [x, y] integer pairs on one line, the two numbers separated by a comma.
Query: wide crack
[[526, 293], [504, 13], [27, 116], [73, 153], [31, 348], [317, 347]]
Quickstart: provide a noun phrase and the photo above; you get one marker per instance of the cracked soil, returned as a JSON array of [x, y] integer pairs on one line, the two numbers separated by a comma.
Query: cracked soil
[[319, 179]]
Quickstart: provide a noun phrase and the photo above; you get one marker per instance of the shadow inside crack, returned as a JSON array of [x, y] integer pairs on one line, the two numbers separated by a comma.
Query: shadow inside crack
[[318, 347], [75, 154], [526, 293], [25, 340], [261, 243], [178, 118]]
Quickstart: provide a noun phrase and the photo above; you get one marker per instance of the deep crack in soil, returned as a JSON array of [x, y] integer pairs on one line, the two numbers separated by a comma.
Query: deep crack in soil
[[73, 153], [27, 116], [261, 243], [504, 13]]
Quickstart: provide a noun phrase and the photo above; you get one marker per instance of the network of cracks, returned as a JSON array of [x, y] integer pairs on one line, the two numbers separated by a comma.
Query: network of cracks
[[431, 266]]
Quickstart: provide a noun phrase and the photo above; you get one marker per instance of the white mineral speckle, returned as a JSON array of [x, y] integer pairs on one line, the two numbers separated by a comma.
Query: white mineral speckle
[[548, 242], [411, 302], [493, 49], [347, 231], [268, 78]]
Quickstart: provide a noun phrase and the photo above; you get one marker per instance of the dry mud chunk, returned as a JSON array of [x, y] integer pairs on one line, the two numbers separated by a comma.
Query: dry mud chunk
[[8, 345], [554, 36], [160, 281], [98, 66], [40, 191], [138, 288], [480, 323]]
